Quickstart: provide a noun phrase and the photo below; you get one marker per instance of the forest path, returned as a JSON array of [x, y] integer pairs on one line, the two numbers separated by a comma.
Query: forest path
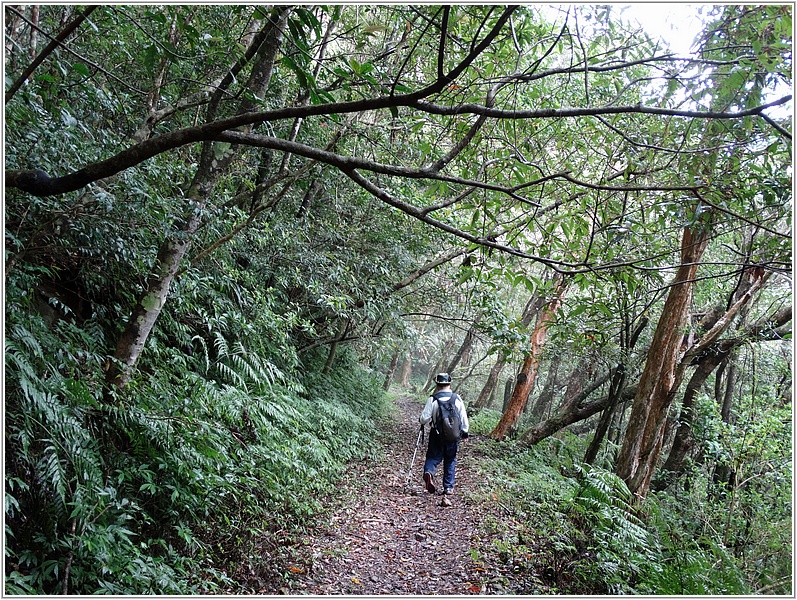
[[388, 538]]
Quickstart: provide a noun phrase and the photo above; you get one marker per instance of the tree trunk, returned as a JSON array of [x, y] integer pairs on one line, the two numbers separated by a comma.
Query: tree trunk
[[771, 327], [390, 370], [464, 348], [405, 371], [615, 388], [575, 383], [528, 372], [570, 412], [545, 399], [529, 311], [644, 434], [730, 388], [489, 386], [724, 476], [173, 250], [333, 347], [717, 353], [147, 310], [618, 420], [508, 387], [683, 441]]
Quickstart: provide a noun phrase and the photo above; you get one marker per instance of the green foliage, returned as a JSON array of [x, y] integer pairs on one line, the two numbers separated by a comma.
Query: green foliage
[[484, 422], [172, 488], [528, 530], [621, 545], [234, 422], [583, 533], [734, 505], [69, 526], [692, 560]]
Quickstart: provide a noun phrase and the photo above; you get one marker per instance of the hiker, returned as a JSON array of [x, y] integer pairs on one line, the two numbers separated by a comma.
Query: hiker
[[446, 411]]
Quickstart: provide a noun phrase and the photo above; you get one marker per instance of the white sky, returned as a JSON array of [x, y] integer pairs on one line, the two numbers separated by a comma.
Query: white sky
[[676, 23]]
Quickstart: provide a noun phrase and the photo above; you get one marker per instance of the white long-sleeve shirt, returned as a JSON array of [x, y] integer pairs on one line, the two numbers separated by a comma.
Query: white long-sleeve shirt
[[431, 411]]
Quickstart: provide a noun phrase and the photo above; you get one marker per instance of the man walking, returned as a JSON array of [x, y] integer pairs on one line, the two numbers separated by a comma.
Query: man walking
[[446, 411]]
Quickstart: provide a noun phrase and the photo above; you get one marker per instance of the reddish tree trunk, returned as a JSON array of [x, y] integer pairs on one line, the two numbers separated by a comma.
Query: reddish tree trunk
[[644, 434], [528, 372]]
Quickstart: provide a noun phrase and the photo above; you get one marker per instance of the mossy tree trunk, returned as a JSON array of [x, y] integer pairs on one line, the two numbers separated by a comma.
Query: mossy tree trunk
[[212, 165]]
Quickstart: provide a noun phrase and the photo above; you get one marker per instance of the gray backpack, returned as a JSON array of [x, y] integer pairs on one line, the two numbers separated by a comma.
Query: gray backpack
[[448, 425]]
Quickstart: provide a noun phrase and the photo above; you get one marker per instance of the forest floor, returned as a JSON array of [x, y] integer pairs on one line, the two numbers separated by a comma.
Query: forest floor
[[382, 537]]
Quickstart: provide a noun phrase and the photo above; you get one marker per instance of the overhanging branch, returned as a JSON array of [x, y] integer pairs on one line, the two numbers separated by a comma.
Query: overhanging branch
[[497, 113], [39, 183]]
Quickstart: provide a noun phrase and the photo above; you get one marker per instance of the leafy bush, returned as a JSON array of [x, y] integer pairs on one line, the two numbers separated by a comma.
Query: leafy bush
[[688, 564], [484, 422], [529, 532]]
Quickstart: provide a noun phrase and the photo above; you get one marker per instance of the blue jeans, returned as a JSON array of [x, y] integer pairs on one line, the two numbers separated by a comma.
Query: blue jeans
[[437, 452]]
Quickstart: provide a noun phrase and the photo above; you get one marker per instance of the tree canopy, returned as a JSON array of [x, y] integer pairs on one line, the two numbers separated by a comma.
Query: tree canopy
[[211, 203]]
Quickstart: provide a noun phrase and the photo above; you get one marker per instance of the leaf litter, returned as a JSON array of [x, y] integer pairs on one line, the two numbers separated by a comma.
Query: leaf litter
[[380, 537]]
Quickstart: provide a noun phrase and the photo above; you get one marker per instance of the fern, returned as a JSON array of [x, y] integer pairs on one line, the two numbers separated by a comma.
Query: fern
[[201, 458], [688, 564], [58, 456], [624, 548], [204, 348], [220, 343]]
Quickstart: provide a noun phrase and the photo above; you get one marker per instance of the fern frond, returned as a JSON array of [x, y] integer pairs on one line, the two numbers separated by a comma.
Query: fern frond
[[27, 340], [221, 345], [204, 346], [227, 373], [54, 477]]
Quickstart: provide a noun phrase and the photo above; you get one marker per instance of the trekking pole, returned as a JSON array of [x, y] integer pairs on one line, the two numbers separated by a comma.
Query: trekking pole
[[417, 443]]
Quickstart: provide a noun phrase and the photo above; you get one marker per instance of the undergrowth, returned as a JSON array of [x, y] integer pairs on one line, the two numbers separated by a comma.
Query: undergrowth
[[192, 482], [559, 527]]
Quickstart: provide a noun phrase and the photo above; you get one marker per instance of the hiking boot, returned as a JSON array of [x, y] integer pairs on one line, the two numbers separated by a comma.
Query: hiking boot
[[446, 501], [427, 479]]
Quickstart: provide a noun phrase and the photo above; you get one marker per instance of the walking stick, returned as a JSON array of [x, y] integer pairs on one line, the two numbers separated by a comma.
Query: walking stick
[[417, 443]]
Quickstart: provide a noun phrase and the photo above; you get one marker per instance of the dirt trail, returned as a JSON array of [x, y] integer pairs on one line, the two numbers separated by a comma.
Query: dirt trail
[[385, 538]]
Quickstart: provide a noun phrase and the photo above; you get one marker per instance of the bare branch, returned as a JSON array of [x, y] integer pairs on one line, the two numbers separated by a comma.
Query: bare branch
[[40, 183], [442, 50], [782, 131], [548, 113], [448, 257]]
